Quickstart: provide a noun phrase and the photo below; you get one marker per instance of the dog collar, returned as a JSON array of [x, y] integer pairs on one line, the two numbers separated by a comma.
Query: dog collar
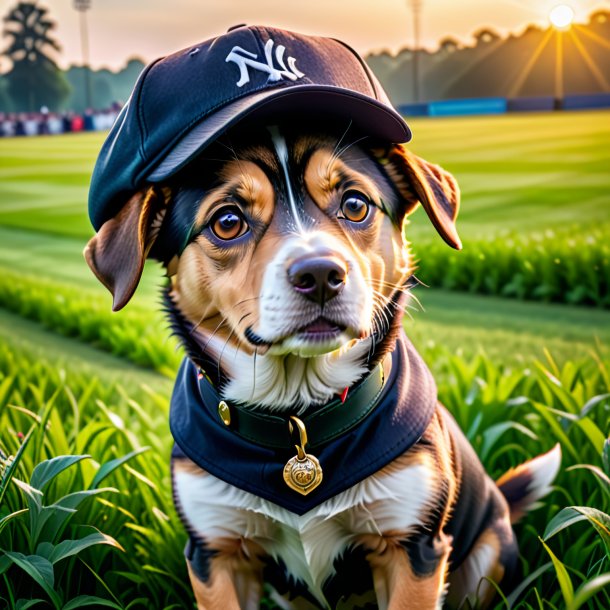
[[391, 420], [322, 424], [302, 472]]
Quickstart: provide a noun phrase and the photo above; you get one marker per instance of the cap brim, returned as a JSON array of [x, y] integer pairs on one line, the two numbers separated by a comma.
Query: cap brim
[[367, 115]]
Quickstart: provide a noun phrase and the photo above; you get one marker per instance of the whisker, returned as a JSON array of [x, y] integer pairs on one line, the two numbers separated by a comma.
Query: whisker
[[254, 373], [207, 343], [337, 145], [347, 147]]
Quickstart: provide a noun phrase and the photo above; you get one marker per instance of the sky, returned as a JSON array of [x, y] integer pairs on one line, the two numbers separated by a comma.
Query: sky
[[120, 29]]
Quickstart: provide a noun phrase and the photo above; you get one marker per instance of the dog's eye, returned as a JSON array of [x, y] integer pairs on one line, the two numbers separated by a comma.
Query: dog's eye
[[228, 223], [355, 206]]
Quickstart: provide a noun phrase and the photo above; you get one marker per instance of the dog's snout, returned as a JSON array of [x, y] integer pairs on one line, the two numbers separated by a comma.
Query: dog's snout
[[318, 278]]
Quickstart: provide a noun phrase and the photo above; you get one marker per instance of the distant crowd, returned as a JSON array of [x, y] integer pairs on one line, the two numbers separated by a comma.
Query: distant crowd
[[45, 122]]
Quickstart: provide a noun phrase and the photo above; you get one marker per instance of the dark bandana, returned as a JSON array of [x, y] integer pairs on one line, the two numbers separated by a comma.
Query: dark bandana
[[402, 413]]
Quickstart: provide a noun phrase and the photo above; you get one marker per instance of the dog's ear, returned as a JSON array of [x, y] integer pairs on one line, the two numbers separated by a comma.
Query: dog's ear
[[117, 253], [418, 181]]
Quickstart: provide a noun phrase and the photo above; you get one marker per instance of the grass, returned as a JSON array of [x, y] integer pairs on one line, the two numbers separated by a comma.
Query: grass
[[138, 334], [567, 267], [109, 504], [512, 332], [74, 433], [76, 380], [518, 172], [44, 181], [523, 173]]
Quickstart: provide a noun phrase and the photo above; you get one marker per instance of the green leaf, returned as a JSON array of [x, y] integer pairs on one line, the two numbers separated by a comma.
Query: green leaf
[[24, 604], [5, 520], [7, 475], [67, 548], [88, 600], [109, 467], [516, 593], [493, 434], [589, 589], [566, 517], [40, 569], [555, 428], [5, 564], [53, 515], [606, 456], [572, 514], [46, 471], [54, 522], [600, 521], [565, 584], [598, 472], [592, 403], [33, 495], [44, 549]]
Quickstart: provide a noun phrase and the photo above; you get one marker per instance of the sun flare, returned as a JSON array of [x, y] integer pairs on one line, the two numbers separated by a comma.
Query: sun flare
[[561, 16]]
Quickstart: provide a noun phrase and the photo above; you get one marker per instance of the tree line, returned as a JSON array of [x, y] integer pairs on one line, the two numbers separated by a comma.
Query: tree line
[[522, 65], [34, 79], [519, 65]]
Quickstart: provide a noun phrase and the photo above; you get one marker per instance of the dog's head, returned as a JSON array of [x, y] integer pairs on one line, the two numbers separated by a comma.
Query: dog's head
[[284, 245]]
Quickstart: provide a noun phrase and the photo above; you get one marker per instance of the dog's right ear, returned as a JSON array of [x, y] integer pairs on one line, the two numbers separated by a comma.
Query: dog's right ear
[[117, 253]]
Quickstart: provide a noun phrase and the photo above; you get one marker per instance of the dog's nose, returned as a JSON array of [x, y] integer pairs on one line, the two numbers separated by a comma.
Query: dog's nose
[[318, 278]]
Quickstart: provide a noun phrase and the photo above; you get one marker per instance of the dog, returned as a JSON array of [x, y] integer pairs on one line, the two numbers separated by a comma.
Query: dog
[[312, 456]]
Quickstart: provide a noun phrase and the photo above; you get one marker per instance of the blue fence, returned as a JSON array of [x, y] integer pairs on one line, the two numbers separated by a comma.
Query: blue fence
[[501, 105], [577, 102], [532, 104]]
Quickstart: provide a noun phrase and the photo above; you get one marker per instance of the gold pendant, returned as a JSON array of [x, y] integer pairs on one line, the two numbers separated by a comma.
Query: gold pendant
[[302, 472]]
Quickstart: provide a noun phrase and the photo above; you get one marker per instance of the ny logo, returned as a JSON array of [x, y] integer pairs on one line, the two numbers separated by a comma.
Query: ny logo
[[244, 59]]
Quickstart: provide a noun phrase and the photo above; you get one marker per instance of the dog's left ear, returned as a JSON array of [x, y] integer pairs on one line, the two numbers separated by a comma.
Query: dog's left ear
[[418, 181], [117, 253]]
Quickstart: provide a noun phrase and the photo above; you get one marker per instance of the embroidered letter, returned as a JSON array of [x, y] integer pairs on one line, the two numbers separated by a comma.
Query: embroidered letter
[[244, 58]]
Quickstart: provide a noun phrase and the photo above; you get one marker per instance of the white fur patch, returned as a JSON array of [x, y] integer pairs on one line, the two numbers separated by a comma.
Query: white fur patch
[[478, 564], [282, 153], [308, 544], [543, 469], [286, 377], [287, 382]]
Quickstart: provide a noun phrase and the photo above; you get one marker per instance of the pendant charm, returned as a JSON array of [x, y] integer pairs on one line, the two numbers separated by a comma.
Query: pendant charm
[[302, 472]]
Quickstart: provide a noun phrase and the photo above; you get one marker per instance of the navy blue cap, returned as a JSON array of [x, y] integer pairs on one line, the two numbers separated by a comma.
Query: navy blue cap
[[183, 102]]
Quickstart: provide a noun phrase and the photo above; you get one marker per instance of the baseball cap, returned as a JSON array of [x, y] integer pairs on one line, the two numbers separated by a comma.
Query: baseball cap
[[183, 102]]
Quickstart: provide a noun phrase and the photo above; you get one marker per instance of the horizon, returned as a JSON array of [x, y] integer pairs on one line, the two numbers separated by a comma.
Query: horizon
[[143, 31]]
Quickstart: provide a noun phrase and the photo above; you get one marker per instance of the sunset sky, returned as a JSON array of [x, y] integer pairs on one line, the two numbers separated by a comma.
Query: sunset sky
[[120, 29]]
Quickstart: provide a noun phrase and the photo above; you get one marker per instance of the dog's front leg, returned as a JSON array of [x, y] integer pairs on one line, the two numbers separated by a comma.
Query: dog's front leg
[[226, 576], [409, 574]]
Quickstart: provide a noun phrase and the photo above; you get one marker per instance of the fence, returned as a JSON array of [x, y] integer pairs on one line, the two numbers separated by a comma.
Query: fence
[[501, 105]]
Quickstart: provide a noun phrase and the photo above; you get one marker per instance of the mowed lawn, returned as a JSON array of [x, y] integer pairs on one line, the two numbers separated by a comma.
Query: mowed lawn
[[523, 173]]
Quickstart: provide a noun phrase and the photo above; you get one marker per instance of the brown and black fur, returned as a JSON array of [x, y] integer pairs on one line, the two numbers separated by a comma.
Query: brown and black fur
[[212, 299]]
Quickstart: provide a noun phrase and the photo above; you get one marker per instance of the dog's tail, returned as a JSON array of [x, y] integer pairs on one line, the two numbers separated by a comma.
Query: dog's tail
[[525, 484]]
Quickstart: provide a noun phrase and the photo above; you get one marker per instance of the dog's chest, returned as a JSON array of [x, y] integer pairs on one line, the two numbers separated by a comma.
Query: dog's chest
[[310, 545]]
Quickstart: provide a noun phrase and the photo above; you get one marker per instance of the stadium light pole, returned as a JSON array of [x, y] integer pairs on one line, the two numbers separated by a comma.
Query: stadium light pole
[[82, 6], [416, 14]]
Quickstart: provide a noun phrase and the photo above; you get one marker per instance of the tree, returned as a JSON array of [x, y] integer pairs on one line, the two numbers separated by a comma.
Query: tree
[[485, 36], [34, 80], [448, 45]]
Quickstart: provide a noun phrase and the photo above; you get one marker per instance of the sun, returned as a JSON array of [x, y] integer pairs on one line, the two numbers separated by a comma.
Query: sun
[[561, 16]]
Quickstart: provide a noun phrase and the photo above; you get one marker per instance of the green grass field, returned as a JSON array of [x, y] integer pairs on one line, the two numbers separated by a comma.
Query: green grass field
[[524, 173], [519, 376]]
